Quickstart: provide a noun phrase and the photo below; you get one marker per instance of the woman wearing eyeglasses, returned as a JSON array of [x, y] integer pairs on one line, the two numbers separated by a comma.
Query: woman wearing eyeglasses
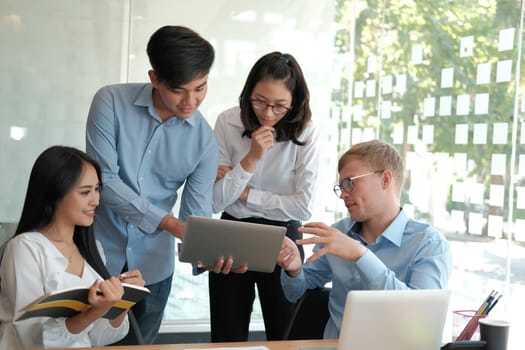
[[269, 158]]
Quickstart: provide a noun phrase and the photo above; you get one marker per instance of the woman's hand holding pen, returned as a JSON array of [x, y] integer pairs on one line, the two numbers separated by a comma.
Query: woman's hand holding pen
[[104, 294], [132, 277]]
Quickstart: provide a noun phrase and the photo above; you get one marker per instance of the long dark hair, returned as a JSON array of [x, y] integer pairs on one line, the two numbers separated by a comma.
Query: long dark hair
[[54, 174], [284, 67]]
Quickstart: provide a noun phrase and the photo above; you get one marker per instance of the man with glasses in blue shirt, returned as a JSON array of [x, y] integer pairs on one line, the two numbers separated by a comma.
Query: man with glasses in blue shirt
[[377, 247], [150, 139]]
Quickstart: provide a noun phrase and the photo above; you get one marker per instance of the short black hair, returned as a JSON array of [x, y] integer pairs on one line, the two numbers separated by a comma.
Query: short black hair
[[283, 67], [179, 55]]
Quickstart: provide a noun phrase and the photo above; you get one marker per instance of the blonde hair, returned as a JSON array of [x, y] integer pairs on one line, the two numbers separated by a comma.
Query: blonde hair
[[378, 155]]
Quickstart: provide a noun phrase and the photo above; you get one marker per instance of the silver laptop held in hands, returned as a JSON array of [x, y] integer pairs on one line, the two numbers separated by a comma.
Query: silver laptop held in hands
[[207, 239]]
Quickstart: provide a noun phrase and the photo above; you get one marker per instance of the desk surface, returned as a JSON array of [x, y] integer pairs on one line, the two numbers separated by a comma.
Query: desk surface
[[272, 345]]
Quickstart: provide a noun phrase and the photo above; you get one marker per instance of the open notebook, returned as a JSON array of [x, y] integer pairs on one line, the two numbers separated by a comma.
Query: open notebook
[[393, 320]]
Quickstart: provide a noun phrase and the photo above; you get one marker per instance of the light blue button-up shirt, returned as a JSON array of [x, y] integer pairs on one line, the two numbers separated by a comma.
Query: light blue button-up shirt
[[408, 255], [144, 162]]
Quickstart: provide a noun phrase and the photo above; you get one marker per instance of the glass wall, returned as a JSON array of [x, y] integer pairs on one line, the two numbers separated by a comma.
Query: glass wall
[[439, 80]]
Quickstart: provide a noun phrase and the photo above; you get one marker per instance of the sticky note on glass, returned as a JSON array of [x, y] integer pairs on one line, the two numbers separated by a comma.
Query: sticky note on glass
[[480, 134], [466, 45], [428, 134], [461, 134], [483, 73], [401, 83], [386, 107], [495, 226], [370, 88], [397, 135], [520, 197], [458, 192], [460, 163], [504, 71], [359, 88], [417, 54], [506, 39], [521, 165], [496, 195], [371, 64], [412, 134], [386, 87], [481, 105], [500, 134], [447, 77], [463, 105], [476, 193], [498, 164], [445, 105], [357, 113], [429, 107]]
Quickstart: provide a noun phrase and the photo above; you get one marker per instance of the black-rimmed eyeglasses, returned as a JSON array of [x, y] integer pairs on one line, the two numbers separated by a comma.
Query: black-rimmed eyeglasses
[[276, 109], [347, 185]]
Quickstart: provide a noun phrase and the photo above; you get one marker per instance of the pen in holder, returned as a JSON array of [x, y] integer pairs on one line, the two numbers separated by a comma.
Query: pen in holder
[[465, 325], [474, 317]]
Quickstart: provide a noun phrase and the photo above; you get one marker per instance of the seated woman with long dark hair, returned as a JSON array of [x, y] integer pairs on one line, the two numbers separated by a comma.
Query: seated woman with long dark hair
[[54, 248]]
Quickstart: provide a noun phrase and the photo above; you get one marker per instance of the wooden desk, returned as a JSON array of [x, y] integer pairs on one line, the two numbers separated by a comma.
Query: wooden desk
[[272, 345]]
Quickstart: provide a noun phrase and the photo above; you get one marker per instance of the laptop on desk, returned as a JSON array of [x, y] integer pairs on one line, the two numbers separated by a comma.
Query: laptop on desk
[[393, 320]]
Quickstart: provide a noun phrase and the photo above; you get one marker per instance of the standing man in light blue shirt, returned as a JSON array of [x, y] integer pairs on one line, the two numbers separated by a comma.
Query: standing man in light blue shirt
[[377, 247], [150, 139]]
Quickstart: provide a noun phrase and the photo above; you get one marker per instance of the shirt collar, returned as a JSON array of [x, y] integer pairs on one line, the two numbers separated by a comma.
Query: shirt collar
[[237, 122], [145, 99], [394, 232]]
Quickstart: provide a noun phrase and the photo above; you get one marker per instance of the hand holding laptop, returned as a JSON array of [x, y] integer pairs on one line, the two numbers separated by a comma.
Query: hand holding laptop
[[225, 246], [289, 258], [224, 266]]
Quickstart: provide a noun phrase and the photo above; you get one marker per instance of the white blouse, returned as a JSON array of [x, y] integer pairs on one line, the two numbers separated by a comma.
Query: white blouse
[[32, 266], [283, 183]]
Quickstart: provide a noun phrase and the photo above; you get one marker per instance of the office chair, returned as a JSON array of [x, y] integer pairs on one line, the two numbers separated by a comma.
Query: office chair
[[310, 316]]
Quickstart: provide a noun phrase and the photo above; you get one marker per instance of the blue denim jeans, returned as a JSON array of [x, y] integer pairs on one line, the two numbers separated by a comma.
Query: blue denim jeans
[[150, 310]]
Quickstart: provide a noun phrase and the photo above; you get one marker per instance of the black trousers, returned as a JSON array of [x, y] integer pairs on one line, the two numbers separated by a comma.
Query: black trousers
[[232, 296]]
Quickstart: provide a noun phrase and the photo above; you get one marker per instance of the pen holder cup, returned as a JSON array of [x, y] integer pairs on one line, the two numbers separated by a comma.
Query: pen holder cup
[[466, 324]]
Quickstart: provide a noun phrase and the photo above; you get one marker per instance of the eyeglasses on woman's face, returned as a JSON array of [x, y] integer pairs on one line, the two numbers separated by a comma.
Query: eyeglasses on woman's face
[[347, 185], [277, 110]]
